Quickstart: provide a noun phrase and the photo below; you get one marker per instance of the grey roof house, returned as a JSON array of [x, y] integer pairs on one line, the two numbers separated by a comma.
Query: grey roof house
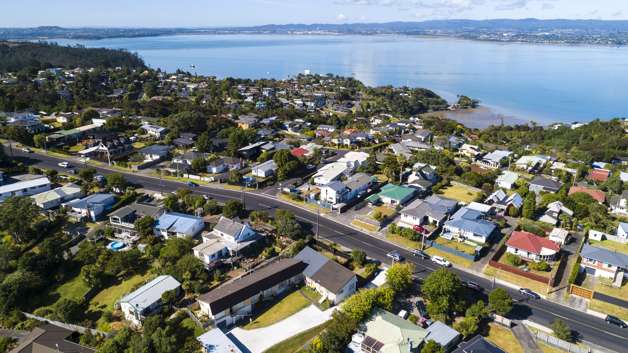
[[333, 281], [146, 300]]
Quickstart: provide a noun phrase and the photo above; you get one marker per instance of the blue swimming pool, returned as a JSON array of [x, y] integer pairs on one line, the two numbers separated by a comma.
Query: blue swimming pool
[[116, 245]]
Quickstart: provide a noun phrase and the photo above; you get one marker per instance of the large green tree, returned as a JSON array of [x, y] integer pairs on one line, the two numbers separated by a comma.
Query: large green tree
[[442, 289], [18, 216]]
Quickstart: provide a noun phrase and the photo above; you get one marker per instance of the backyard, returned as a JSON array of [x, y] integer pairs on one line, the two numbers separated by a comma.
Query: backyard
[[296, 343], [611, 245], [107, 297], [286, 307], [504, 339], [461, 193]]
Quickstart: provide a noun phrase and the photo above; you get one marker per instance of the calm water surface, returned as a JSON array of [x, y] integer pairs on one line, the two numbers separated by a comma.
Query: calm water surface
[[545, 83]]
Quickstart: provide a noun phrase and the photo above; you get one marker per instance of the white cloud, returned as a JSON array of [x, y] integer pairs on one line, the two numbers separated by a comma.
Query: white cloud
[[341, 17]]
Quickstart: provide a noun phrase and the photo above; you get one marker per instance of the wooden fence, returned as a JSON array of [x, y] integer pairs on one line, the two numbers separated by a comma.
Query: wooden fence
[[581, 291], [532, 276]]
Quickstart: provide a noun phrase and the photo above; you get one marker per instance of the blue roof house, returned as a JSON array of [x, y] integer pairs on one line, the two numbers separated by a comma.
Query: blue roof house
[[468, 224], [91, 206], [173, 224]]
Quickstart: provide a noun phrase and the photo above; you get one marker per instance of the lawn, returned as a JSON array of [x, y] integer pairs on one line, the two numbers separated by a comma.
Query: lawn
[[405, 242], [192, 326], [607, 308], [310, 206], [311, 294], [385, 211], [460, 193], [516, 279], [286, 307], [456, 260], [365, 226], [74, 289], [296, 342], [611, 245], [546, 348], [504, 339], [108, 296], [462, 247]]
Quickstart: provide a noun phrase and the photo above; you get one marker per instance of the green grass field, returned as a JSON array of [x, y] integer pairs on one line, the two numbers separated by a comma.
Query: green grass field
[[504, 339], [296, 342], [460, 193], [74, 289], [286, 307], [108, 296]]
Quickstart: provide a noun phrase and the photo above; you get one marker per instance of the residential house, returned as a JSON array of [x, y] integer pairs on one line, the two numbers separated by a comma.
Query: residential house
[[146, 300], [470, 151], [215, 341], [247, 121], [622, 231], [444, 335], [24, 188], [502, 202], [123, 219], [49, 338], [532, 164], [432, 210], [107, 149], [264, 170], [30, 122], [478, 344], [386, 332], [154, 152], [188, 157], [180, 225], [542, 183], [424, 135], [155, 131], [493, 160], [619, 203], [210, 251], [597, 195], [235, 300], [185, 140], [224, 164], [600, 262], [54, 198], [325, 130], [91, 206], [354, 159], [532, 247], [506, 180], [331, 172], [422, 177], [331, 280], [599, 175], [468, 224], [71, 136], [337, 192], [559, 236], [235, 234], [553, 212], [393, 195]]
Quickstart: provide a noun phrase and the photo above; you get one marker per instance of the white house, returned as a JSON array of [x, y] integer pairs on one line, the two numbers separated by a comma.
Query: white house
[[91, 206], [264, 170], [532, 164], [619, 203], [155, 130], [331, 280], [146, 300], [532, 247], [53, 198], [174, 224], [470, 151], [559, 236], [331, 172], [494, 159], [354, 159], [506, 180], [599, 262], [24, 188]]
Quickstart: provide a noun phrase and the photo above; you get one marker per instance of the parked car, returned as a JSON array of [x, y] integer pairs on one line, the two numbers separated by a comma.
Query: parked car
[[473, 285], [420, 229], [420, 306], [420, 254], [612, 320], [27, 150], [529, 293], [191, 184], [441, 261], [395, 256], [64, 164]]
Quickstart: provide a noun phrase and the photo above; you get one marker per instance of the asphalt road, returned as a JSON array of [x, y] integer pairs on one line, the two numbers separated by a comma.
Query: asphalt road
[[588, 328]]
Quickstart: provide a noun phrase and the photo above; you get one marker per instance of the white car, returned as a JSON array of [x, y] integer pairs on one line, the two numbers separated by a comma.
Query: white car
[[64, 164], [441, 261], [27, 150]]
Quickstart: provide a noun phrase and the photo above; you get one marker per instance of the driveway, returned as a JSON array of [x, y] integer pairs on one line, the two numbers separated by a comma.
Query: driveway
[[259, 340]]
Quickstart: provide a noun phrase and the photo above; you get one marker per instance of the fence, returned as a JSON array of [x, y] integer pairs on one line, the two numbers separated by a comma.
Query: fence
[[494, 263], [70, 327], [558, 343], [581, 291], [453, 251]]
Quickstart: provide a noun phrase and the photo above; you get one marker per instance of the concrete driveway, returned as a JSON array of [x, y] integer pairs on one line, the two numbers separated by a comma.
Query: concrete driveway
[[259, 340]]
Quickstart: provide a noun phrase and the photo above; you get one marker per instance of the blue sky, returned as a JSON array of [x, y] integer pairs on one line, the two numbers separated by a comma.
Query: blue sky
[[192, 13]]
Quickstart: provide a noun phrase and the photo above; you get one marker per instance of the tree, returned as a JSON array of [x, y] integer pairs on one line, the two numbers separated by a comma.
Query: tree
[[529, 205], [199, 165], [287, 225], [561, 330], [358, 257], [500, 301], [432, 347], [467, 326], [116, 182], [399, 276], [232, 208], [39, 140], [87, 116], [204, 143], [144, 226], [68, 310], [478, 310], [93, 275], [234, 176], [442, 290], [18, 216], [171, 202], [168, 298], [87, 174]]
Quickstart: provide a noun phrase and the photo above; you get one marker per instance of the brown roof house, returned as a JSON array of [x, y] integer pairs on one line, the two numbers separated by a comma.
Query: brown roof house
[[333, 281], [234, 301], [50, 339]]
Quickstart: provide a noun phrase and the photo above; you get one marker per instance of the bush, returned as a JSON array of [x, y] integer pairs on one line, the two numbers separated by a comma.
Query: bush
[[539, 266], [575, 270], [413, 318], [513, 259]]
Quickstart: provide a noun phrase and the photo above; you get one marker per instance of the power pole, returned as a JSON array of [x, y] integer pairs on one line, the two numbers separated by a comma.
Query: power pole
[[318, 216]]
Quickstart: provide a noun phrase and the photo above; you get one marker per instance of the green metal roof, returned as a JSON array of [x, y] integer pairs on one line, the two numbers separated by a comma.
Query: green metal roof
[[396, 192]]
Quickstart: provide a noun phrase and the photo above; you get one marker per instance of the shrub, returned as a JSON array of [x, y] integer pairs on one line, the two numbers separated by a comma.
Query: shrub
[[575, 270], [540, 266], [513, 259]]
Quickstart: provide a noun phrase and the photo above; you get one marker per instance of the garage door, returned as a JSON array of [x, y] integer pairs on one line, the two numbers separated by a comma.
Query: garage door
[[590, 271]]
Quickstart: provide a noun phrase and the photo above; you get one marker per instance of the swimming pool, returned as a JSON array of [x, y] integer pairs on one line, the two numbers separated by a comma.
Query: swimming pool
[[115, 245]]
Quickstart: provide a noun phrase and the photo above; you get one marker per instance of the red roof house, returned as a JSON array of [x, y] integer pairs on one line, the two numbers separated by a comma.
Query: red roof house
[[598, 195], [299, 152], [532, 246], [600, 175]]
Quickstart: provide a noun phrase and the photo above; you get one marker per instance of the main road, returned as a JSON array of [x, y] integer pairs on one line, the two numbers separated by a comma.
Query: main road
[[589, 328]]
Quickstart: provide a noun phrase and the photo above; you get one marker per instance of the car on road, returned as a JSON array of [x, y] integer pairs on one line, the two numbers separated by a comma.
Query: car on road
[[441, 261], [529, 293], [64, 164], [27, 150], [191, 184], [420, 254], [472, 285], [395, 256], [612, 320]]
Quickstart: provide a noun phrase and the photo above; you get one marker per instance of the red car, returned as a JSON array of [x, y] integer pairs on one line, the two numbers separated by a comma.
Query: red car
[[419, 229]]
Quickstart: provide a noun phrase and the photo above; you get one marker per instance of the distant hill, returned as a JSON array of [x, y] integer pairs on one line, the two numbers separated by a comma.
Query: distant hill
[[36, 56]]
